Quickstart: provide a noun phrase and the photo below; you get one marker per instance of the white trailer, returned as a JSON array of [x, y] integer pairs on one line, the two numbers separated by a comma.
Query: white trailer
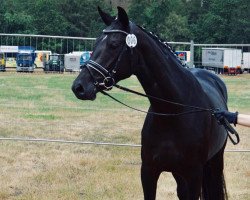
[[222, 60], [72, 62], [246, 61]]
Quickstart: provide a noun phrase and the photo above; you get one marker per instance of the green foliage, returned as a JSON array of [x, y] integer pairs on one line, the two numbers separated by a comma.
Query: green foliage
[[149, 13], [161, 17], [225, 21], [179, 30], [82, 17], [13, 21], [51, 17], [204, 21]]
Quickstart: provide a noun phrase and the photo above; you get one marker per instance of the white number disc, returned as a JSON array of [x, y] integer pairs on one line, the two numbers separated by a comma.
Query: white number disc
[[131, 40]]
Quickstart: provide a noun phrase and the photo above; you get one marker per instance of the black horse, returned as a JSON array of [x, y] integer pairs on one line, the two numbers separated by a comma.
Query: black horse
[[187, 141]]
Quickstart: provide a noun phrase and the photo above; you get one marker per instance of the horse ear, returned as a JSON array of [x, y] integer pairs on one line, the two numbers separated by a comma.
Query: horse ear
[[106, 18], [122, 16]]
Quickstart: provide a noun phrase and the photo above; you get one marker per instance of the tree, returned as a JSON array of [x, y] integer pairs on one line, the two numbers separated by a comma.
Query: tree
[[14, 18], [83, 17], [204, 21], [161, 17], [240, 23], [223, 22], [149, 13], [175, 28], [137, 10], [48, 17]]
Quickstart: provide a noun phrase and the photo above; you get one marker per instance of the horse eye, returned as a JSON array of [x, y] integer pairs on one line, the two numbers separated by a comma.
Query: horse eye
[[114, 45]]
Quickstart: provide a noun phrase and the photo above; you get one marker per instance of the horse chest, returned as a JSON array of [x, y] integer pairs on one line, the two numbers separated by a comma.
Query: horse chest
[[162, 152], [168, 147]]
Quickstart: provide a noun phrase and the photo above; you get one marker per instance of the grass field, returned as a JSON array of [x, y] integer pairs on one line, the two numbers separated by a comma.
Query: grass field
[[43, 106]]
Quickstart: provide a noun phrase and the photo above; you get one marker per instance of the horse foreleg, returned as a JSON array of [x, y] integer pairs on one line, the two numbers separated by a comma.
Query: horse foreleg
[[214, 186], [193, 179], [182, 190], [149, 178]]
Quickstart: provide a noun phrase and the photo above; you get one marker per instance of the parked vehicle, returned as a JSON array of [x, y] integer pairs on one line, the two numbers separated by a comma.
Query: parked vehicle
[[2, 62], [85, 57], [25, 59], [184, 56], [222, 60], [55, 63], [73, 61], [42, 56], [246, 61]]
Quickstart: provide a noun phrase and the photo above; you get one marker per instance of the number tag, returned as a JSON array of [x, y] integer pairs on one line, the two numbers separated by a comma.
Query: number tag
[[131, 40]]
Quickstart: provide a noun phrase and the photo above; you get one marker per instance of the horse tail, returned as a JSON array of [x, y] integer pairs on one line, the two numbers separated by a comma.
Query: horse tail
[[213, 183]]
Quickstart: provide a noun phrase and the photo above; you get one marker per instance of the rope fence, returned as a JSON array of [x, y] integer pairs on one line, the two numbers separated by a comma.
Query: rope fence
[[45, 140]]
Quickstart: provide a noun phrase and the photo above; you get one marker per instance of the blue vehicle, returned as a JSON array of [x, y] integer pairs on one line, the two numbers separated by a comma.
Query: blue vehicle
[[25, 59], [84, 58]]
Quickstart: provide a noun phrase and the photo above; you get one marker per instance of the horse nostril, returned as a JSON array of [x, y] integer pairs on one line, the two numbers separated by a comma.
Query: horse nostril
[[79, 89]]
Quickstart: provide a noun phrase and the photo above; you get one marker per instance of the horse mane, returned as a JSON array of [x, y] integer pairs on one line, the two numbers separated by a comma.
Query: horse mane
[[164, 46]]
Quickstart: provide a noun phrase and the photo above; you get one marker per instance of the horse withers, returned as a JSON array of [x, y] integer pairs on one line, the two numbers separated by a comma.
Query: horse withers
[[184, 140]]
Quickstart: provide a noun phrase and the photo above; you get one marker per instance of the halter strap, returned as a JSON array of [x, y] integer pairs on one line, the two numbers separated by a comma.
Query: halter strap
[[108, 80], [100, 69]]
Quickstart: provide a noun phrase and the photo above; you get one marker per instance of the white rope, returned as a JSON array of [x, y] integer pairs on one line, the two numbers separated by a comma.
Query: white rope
[[67, 141], [89, 142]]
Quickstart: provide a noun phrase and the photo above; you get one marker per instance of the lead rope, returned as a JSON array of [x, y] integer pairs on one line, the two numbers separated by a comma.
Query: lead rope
[[224, 122], [160, 99], [230, 130], [157, 113]]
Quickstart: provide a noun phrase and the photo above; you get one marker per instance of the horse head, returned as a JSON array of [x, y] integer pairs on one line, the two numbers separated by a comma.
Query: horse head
[[110, 61]]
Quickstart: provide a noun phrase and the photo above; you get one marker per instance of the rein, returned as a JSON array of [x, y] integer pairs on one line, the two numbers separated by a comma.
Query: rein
[[153, 113], [195, 109], [160, 99], [223, 121]]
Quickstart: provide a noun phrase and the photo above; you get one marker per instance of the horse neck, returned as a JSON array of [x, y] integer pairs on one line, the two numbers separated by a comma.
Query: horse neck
[[160, 75]]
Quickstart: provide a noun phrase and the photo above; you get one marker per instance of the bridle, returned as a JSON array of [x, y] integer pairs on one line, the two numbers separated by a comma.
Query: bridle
[[108, 76], [109, 82]]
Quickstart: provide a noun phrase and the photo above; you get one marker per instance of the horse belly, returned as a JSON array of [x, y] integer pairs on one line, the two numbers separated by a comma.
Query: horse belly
[[217, 140]]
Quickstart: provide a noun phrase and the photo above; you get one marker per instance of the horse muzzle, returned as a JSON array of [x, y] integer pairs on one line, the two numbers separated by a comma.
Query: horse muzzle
[[84, 93]]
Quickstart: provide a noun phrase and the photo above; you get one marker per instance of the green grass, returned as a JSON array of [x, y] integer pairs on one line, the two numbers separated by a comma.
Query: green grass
[[43, 106], [238, 92], [52, 92]]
